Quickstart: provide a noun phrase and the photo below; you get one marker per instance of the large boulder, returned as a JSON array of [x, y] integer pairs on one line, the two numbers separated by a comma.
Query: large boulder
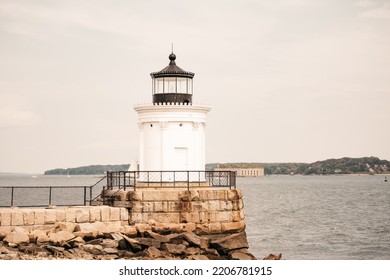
[[125, 242], [4, 231], [130, 231], [231, 242], [86, 231], [273, 257], [237, 255], [156, 236], [60, 236], [148, 242], [39, 236], [153, 252], [194, 239], [199, 257], [17, 237], [92, 249], [174, 249]]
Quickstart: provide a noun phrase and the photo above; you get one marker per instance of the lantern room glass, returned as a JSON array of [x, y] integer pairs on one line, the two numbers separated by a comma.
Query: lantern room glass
[[172, 85], [169, 84], [182, 85], [158, 85]]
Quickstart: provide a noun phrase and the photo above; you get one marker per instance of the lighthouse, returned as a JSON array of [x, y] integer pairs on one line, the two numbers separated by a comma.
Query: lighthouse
[[171, 190], [171, 127]]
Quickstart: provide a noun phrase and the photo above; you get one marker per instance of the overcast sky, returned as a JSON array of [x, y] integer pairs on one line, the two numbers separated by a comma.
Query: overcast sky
[[287, 80]]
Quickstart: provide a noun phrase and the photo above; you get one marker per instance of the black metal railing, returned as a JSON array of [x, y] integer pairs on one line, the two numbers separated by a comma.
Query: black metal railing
[[42, 196], [170, 179]]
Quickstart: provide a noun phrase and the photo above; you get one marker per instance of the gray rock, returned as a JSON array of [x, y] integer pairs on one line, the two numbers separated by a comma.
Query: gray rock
[[80, 254], [4, 250], [60, 236], [16, 237], [153, 252], [125, 242], [97, 241], [241, 256], [92, 249], [175, 238], [39, 236], [193, 251], [198, 257], [273, 257], [194, 239], [4, 231], [148, 242], [55, 250], [125, 254], [176, 249], [110, 250], [231, 242], [156, 236], [109, 243]]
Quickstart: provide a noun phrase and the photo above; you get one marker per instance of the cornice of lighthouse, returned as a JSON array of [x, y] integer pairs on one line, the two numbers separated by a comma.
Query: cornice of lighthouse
[[161, 115], [168, 107]]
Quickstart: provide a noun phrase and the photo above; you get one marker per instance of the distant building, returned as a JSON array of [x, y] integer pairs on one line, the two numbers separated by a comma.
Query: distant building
[[243, 171]]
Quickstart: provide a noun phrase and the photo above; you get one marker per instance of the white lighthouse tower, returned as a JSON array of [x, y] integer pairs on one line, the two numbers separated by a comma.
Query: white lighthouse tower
[[171, 128]]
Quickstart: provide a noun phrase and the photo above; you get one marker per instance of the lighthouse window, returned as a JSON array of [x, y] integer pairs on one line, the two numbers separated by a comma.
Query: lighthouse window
[[159, 85], [181, 85], [170, 85]]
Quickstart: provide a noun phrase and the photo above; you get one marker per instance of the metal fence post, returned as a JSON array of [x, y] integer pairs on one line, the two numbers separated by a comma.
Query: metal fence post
[[85, 196], [12, 196], [50, 195], [188, 180], [90, 195]]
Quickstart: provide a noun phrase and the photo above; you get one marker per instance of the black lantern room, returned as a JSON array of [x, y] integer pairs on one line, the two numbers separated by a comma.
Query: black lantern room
[[172, 84]]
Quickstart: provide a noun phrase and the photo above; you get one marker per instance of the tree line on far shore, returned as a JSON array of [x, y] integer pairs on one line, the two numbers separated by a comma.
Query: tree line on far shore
[[346, 165], [87, 170]]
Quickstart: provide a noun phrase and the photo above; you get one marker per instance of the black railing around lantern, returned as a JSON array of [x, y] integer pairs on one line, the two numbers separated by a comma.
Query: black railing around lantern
[[170, 179]]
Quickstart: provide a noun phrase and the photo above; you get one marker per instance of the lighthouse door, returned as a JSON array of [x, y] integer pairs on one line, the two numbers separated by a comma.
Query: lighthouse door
[[180, 158]]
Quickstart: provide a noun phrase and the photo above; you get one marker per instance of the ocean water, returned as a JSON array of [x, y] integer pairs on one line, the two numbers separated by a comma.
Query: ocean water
[[302, 217], [318, 217]]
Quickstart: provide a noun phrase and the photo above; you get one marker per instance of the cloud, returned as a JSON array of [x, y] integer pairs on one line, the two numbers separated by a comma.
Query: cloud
[[13, 113], [365, 3], [12, 117], [376, 10]]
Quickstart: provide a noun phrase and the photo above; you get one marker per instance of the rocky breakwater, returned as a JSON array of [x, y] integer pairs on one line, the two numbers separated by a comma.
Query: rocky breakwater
[[99, 240]]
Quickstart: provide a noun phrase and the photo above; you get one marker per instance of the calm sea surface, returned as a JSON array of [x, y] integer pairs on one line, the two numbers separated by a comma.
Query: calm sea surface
[[303, 217]]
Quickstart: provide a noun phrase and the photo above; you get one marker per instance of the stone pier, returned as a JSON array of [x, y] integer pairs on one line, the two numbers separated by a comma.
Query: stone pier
[[145, 223], [203, 211]]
